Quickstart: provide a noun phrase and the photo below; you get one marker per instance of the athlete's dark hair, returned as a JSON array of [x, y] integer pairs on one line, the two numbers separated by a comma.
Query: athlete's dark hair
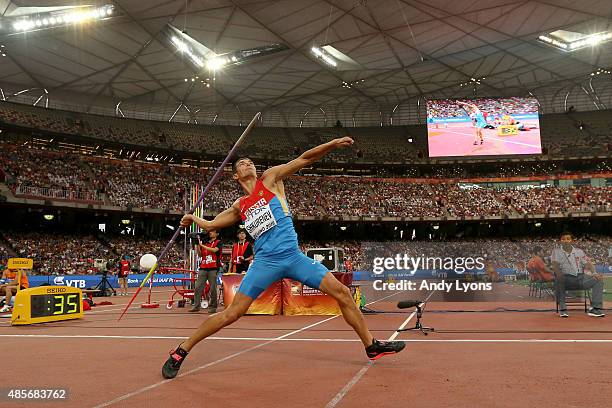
[[236, 163], [566, 232]]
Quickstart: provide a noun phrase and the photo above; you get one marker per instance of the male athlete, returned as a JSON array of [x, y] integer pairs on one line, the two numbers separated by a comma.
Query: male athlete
[[266, 217], [479, 120]]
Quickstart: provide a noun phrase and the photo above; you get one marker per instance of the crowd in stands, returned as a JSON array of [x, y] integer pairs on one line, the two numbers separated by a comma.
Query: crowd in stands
[[4, 254], [160, 186], [499, 253], [67, 254], [43, 169], [449, 108], [571, 134], [58, 254], [135, 247]]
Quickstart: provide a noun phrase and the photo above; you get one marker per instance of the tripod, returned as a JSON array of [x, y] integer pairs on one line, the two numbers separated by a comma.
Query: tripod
[[104, 286], [418, 326]]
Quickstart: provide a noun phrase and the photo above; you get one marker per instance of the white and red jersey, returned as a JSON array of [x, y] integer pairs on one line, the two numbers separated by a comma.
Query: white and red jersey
[[238, 250], [211, 260], [267, 219]]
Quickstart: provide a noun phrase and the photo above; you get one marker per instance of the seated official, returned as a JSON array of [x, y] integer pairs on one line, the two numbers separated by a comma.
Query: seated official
[[574, 271], [10, 288]]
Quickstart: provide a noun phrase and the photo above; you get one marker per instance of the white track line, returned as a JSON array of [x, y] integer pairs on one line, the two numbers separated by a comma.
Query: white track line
[[338, 397], [157, 384], [345, 390]]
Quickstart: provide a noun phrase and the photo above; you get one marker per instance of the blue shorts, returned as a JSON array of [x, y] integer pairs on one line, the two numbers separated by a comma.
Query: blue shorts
[[265, 270]]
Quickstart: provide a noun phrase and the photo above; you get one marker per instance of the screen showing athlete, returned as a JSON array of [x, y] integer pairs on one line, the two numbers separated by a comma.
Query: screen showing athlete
[[478, 120], [267, 218]]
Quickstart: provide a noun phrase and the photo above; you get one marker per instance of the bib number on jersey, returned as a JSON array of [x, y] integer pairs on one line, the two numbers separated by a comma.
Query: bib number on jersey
[[259, 221]]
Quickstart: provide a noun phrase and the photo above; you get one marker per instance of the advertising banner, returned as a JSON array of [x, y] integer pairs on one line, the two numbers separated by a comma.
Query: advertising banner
[[269, 302]]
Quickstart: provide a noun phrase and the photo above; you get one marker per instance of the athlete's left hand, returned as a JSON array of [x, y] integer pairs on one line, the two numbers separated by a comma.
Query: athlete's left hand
[[344, 141]]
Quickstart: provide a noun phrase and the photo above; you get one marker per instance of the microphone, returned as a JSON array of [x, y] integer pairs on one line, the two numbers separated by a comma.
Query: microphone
[[405, 304]]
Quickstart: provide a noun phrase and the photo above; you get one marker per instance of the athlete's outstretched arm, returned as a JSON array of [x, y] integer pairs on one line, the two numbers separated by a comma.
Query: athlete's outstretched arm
[[308, 157], [468, 104], [225, 219]]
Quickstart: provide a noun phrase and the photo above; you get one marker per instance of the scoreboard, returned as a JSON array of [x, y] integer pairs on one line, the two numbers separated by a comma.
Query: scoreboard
[[47, 304]]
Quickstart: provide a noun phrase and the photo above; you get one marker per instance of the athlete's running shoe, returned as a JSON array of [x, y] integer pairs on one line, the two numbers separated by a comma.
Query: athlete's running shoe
[[173, 364], [380, 348]]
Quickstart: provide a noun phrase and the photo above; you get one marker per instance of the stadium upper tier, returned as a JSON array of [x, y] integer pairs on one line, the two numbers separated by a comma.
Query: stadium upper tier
[[128, 184], [572, 134]]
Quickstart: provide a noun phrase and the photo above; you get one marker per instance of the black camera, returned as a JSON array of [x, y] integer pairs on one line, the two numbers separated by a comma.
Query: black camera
[[195, 236]]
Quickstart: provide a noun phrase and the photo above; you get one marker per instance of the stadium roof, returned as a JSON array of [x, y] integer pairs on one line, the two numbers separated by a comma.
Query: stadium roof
[[405, 52]]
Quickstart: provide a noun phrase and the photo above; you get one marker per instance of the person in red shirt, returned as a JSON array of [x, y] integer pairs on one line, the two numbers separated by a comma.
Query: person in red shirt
[[348, 265], [242, 254], [122, 275], [537, 269], [210, 264]]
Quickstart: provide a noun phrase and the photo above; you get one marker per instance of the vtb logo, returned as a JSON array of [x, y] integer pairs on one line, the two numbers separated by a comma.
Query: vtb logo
[[76, 283]]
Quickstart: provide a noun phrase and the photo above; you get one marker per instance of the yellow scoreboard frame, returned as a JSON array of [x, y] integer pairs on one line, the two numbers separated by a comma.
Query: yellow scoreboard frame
[[44, 304], [507, 130]]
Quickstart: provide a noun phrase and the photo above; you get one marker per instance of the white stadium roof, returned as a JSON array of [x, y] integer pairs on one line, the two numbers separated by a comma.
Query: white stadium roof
[[398, 54]]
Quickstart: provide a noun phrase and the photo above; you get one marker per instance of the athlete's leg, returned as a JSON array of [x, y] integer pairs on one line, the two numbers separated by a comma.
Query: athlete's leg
[[351, 313], [314, 274], [216, 322], [210, 326]]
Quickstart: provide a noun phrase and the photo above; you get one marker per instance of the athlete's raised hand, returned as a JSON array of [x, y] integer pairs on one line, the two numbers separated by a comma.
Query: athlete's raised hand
[[344, 141]]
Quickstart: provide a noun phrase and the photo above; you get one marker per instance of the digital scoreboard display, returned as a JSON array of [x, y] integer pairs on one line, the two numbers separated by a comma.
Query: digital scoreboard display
[[45, 304], [53, 305]]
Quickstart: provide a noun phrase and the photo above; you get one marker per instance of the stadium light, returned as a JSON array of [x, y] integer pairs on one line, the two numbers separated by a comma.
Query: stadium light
[[569, 41], [324, 56], [55, 18], [217, 63], [201, 56], [48, 217]]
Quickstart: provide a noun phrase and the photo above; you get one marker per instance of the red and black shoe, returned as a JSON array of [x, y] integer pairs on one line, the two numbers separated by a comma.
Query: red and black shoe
[[173, 364], [380, 348]]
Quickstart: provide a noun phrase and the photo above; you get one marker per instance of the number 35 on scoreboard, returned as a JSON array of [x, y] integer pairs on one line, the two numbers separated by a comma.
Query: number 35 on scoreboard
[[47, 304]]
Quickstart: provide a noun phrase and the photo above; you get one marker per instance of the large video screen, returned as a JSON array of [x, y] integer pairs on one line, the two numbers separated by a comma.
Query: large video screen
[[483, 127]]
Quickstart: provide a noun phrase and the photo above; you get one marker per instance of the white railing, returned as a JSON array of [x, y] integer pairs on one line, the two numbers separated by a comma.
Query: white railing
[[58, 193]]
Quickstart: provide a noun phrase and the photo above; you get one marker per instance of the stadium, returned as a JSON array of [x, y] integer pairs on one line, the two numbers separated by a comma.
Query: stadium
[[259, 190]]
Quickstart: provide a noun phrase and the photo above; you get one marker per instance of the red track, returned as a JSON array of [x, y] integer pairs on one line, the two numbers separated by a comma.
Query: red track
[[289, 365]]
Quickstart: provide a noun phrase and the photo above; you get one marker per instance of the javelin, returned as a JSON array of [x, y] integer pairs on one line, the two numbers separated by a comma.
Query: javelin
[[212, 181]]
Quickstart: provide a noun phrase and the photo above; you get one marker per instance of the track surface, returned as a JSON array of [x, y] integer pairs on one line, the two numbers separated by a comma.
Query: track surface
[[508, 359]]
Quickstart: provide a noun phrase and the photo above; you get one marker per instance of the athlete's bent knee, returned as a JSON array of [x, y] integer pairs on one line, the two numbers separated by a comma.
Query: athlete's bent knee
[[343, 295], [231, 315]]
